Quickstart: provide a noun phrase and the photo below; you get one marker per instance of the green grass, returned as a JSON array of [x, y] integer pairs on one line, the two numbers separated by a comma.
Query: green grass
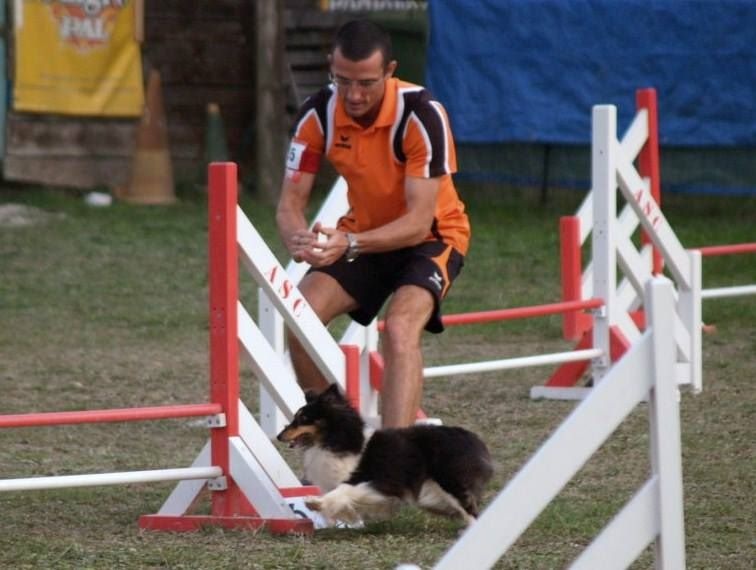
[[108, 308]]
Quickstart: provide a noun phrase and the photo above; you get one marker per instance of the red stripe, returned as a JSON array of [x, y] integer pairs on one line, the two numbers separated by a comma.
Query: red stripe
[[352, 356], [224, 341], [105, 416], [648, 161], [310, 161], [571, 267], [714, 250], [516, 313]]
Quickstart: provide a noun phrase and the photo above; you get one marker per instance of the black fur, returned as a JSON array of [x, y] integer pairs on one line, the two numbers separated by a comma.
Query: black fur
[[340, 428], [397, 462]]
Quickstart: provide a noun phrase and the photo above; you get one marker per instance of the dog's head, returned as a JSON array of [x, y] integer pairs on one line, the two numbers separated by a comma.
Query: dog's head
[[309, 424]]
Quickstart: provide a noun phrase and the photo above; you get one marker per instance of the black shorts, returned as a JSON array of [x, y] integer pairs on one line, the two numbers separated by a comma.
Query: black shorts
[[373, 277]]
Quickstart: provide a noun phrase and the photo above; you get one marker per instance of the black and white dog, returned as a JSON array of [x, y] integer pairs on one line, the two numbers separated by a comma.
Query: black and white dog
[[438, 468]]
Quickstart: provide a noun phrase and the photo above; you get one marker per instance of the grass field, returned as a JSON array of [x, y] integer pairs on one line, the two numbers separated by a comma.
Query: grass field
[[107, 307]]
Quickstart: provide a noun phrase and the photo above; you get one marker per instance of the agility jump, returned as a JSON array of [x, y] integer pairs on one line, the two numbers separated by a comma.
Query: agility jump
[[654, 513], [248, 480], [642, 208], [651, 369]]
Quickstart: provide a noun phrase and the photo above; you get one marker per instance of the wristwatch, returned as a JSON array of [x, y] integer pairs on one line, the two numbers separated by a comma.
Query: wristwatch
[[353, 249]]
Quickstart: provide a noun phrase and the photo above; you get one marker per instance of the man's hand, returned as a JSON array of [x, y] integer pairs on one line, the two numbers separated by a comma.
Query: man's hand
[[300, 244], [325, 251]]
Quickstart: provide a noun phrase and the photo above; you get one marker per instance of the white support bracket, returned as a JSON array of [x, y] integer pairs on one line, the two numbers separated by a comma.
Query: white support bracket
[[217, 484], [216, 421]]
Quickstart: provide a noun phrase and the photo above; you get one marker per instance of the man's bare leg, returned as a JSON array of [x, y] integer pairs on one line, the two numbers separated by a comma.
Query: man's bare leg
[[329, 300], [406, 317]]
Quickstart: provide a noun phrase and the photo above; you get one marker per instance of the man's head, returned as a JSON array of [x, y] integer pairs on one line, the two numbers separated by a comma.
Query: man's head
[[361, 61]]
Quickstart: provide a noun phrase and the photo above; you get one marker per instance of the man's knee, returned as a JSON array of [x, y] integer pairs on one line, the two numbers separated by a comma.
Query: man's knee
[[402, 332], [407, 315]]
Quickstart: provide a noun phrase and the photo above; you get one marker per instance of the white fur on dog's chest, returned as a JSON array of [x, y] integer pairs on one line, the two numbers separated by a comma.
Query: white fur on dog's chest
[[327, 469]]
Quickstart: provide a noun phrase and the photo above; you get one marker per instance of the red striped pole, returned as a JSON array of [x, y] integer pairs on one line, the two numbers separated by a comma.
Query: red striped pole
[[352, 359], [224, 349], [573, 323], [481, 317], [648, 161], [375, 362], [733, 249], [112, 415]]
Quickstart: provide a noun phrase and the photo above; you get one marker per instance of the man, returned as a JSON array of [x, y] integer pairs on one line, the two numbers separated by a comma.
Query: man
[[406, 232]]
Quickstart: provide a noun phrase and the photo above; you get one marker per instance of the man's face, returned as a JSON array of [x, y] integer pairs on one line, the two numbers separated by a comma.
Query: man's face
[[361, 84]]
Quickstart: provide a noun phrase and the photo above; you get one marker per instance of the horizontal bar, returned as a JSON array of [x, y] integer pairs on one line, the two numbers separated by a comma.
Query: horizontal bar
[[191, 523], [733, 249], [517, 312], [509, 363], [565, 393], [105, 416], [718, 293], [98, 479]]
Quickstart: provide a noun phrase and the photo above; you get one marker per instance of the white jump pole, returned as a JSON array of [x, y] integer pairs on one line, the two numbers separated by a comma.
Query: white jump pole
[[720, 292], [99, 479], [510, 363]]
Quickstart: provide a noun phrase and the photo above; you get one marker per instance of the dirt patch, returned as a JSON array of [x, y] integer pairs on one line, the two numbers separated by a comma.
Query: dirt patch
[[19, 215]]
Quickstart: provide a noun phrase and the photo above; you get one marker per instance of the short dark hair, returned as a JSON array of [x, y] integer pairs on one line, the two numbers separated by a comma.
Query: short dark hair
[[359, 39]]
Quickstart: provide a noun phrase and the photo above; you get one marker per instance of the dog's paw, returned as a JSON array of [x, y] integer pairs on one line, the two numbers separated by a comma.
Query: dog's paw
[[469, 521], [313, 503]]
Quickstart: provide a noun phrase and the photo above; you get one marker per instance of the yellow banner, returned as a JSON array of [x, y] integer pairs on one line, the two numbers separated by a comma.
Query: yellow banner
[[77, 57]]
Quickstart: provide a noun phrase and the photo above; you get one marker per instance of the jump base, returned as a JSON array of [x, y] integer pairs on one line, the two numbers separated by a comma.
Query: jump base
[[190, 523]]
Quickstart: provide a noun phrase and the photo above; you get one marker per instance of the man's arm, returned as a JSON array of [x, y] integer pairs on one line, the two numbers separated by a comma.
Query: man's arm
[[290, 214], [409, 229]]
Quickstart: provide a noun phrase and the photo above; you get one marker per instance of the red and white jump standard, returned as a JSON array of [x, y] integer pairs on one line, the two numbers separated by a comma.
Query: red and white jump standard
[[256, 481], [248, 480]]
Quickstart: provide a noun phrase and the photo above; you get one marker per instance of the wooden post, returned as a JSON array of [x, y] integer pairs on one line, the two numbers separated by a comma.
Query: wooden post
[[271, 135], [139, 21]]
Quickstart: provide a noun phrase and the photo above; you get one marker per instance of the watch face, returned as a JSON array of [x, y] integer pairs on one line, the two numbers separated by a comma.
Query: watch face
[[353, 249]]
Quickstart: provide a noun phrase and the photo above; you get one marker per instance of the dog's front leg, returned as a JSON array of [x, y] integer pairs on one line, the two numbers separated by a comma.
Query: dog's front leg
[[336, 505]]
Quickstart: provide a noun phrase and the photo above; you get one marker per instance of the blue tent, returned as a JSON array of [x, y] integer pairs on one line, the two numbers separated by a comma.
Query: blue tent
[[529, 71]]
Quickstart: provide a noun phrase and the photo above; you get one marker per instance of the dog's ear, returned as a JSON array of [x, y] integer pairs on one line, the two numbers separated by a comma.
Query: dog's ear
[[333, 393], [310, 396]]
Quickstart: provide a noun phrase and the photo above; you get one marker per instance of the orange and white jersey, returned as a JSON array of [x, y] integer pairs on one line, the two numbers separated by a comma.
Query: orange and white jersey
[[410, 137]]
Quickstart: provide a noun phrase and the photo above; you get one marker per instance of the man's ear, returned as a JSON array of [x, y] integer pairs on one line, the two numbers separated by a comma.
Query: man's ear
[[391, 67]]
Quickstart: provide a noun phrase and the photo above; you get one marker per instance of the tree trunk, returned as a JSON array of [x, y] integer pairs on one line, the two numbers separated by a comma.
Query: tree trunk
[[271, 135]]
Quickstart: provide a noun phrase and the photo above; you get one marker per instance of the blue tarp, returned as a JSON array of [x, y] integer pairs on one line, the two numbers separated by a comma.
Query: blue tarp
[[530, 70]]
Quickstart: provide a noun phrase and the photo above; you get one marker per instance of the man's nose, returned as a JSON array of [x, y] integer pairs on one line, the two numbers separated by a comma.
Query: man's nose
[[354, 93]]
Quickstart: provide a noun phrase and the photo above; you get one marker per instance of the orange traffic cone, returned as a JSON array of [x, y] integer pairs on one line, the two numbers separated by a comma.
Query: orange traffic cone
[[151, 170]]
